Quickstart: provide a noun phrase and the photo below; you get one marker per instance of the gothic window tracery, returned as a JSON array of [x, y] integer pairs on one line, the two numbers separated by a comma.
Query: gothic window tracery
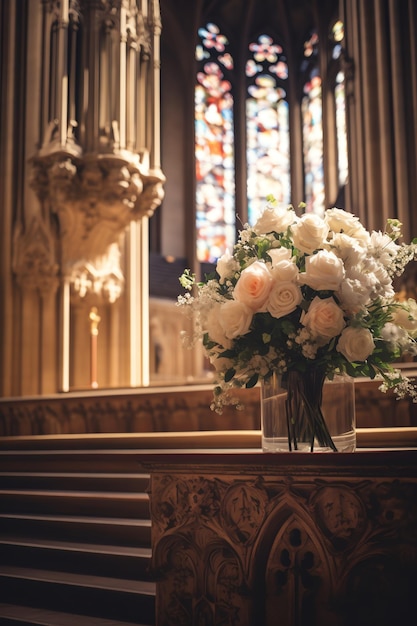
[[264, 76]]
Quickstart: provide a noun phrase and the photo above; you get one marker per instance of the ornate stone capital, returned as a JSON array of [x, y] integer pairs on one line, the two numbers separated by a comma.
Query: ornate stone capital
[[95, 197]]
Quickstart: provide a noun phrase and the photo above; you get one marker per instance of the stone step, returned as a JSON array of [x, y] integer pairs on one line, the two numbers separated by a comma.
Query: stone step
[[75, 481], [13, 615], [75, 503], [113, 530], [95, 596], [84, 558], [75, 461]]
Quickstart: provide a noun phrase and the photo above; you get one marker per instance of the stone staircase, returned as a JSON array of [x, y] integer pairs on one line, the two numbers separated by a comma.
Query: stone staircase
[[75, 543]]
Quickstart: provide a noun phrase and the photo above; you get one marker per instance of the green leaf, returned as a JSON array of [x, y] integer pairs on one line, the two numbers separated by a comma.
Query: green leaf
[[229, 375], [252, 381]]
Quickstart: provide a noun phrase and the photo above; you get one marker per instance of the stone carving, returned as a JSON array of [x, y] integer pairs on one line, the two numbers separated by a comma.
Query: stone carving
[[95, 198], [175, 409], [243, 511], [93, 174], [34, 259], [266, 549], [100, 281], [340, 515]]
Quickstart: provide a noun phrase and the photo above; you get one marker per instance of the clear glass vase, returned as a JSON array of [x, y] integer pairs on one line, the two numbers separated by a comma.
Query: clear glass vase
[[306, 412]]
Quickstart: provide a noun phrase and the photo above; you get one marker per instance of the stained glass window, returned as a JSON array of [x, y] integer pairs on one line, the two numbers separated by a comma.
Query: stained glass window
[[311, 109], [340, 102], [267, 126], [340, 99], [266, 132], [214, 152]]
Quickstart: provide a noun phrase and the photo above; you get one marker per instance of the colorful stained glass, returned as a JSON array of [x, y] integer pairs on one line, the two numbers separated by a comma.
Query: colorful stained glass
[[340, 100], [267, 126], [214, 147], [311, 111], [340, 105]]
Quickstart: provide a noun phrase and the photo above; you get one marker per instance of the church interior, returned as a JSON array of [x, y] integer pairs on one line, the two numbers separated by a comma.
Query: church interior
[[124, 499]]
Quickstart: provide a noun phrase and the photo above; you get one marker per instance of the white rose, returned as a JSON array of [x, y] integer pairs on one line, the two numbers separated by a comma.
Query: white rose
[[284, 270], [324, 319], [284, 298], [356, 344], [274, 220], [340, 221], [324, 270], [254, 285], [279, 254], [214, 329], [309, 233], [405, 315], [235, 318], [226, 266]]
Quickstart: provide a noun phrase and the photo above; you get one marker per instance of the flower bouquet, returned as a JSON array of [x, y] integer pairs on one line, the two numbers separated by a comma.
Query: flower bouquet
[[305, 298]]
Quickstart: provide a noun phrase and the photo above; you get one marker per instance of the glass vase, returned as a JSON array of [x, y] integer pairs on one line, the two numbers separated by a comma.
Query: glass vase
[[306, 412]]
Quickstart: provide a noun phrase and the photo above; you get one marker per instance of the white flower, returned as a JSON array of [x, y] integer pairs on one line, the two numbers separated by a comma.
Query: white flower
[[380, 279], [354, 293], [284, 298], [323, 271], [279, 254], [309, 233], [324, 319], [340, 221], [395, 336], [214, 329], [269, 316], [274, 220], [235, 318], [382, 248], [349, 249], [226, 267], [405, 315], [284, 270], [356, 344], [254, 285]]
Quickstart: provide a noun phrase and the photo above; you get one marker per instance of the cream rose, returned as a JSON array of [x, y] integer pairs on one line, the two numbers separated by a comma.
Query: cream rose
[[284, 298], [405, 315], [324, 319], [324, 270], [284, 270], [279, 254], [356, 344], [309, 233], [273, 219], [214, 329], [254, 285], [235, 318], [226, 267], [341, 221]]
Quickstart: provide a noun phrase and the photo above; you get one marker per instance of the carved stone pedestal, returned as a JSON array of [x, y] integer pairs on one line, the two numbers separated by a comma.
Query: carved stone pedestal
[[252, 539]]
